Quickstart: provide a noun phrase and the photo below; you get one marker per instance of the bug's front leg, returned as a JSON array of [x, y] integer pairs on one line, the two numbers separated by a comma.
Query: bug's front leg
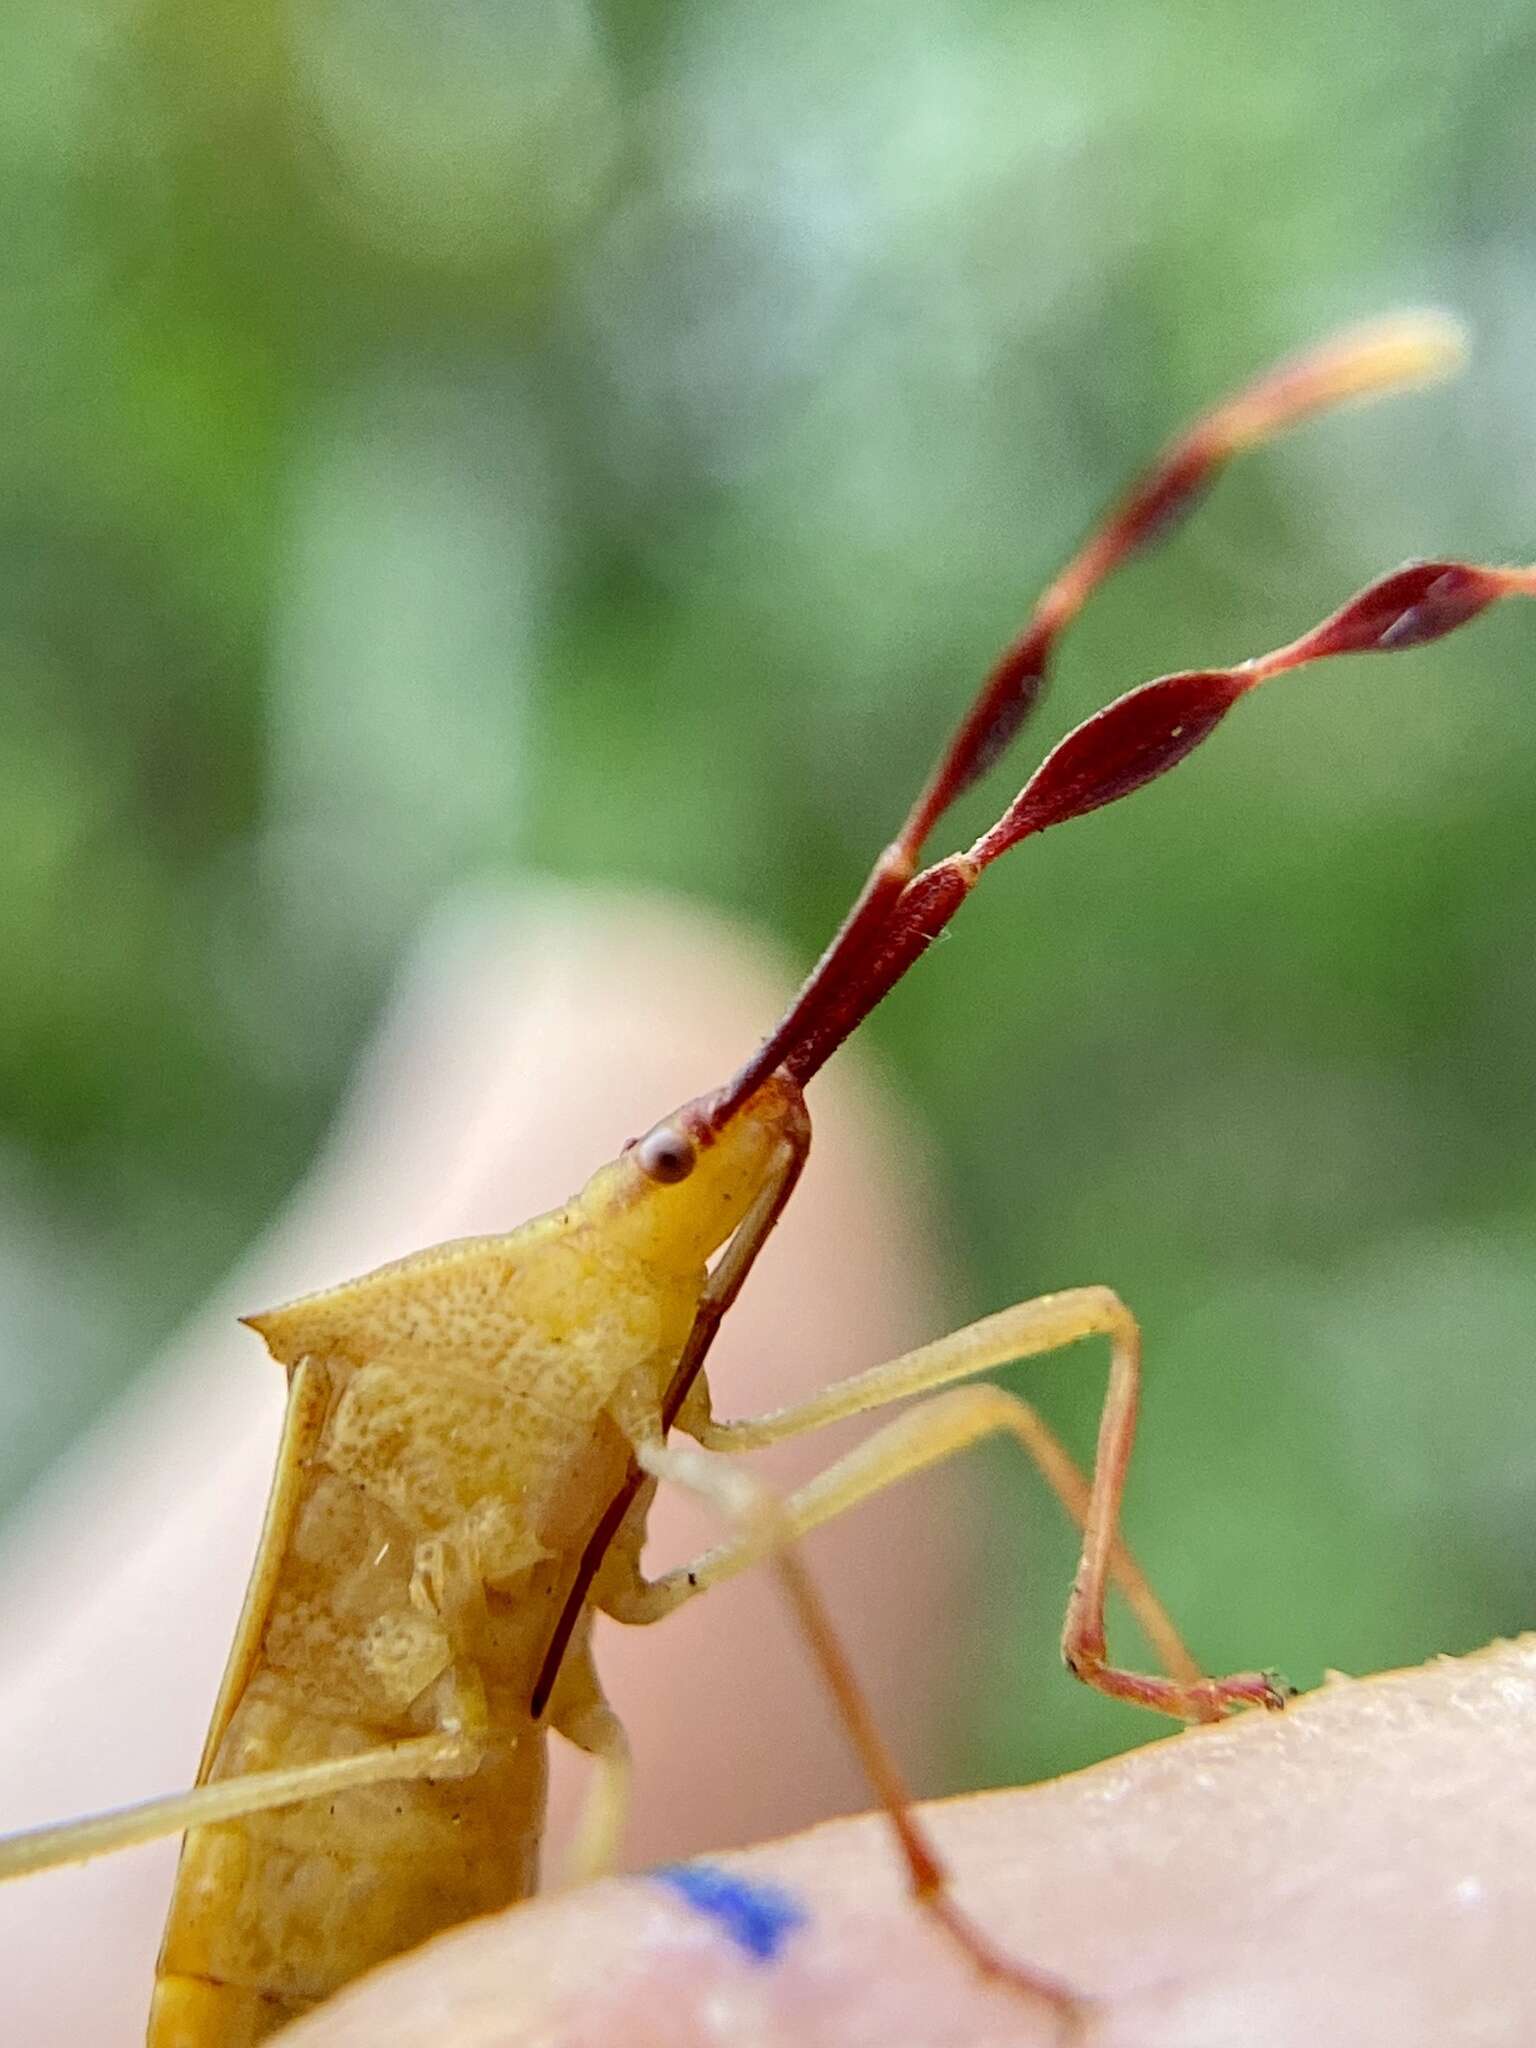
[[938, 1428]]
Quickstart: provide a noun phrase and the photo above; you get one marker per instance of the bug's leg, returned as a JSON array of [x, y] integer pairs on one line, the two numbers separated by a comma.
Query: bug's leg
[[927, 1434], [583, 1716], [766, 1533], [937, 1430], [445, 1755]]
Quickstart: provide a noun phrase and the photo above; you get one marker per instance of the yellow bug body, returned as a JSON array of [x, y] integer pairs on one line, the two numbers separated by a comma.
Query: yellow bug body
[[473, 1434], [456, 1423]]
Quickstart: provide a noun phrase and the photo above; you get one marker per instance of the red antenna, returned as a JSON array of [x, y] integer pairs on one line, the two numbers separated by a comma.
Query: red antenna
[[899, 911]]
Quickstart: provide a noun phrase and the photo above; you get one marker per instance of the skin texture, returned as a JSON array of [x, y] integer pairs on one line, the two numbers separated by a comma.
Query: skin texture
[[530, 1036], [1356, 1871]]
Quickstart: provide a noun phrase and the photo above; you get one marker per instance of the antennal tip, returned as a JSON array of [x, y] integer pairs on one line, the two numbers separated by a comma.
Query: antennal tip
[[1397, 353], [1418, 346]]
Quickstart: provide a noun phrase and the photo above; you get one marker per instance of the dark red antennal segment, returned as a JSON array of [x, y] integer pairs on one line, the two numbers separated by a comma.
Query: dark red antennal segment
[[1131, 742], [899, 912]]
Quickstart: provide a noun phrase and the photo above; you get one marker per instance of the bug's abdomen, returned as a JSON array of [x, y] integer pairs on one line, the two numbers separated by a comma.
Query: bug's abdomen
[[191, 2012], [276, 1911]]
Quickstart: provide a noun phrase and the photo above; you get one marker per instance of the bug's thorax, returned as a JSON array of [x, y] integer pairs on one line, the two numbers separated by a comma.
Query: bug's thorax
[[483, 1401], [470, 1440]]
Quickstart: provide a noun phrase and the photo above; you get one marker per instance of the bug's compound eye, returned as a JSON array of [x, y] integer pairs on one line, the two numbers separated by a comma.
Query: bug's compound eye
[[666, 1154]]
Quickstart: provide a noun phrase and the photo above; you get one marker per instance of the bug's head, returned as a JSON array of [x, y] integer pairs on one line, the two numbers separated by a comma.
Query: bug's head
[[676, 1194]]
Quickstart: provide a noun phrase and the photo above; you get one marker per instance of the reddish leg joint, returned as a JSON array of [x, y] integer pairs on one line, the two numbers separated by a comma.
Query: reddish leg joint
[[1208, 1699]]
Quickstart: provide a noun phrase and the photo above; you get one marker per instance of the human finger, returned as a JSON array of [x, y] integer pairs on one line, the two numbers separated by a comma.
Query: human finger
[[1355, 1871]]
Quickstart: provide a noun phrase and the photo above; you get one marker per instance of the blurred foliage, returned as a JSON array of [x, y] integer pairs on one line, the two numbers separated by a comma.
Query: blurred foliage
[[611, 439]]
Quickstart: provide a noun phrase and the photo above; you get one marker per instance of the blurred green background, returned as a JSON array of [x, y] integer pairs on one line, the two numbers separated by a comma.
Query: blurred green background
[[611, 440]]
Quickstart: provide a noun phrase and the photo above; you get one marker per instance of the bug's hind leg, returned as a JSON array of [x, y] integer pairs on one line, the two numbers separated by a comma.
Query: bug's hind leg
[[767, 1533], [419, 1756]]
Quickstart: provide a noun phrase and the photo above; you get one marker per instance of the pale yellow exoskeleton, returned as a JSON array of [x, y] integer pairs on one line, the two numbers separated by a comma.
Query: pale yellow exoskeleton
[[474, 1434]]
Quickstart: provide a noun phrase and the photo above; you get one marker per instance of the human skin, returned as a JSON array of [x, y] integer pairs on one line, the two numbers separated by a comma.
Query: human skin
[[1357, 1872]]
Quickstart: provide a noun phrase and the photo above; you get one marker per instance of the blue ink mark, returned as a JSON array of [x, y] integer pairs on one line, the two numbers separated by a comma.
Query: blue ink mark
[[756, 1916]]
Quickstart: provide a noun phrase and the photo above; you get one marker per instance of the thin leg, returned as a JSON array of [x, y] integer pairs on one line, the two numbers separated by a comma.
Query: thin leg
[[594, 1851], [421, 1756], [767, 1533], [937, 1430]]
